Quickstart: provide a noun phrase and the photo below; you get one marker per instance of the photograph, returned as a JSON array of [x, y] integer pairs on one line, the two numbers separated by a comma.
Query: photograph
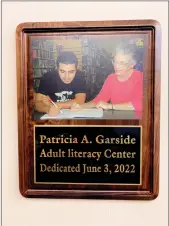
[[97, 76]]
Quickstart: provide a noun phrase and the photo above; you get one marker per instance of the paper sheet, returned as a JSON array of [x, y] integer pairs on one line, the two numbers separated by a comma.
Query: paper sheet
[[85, 113]]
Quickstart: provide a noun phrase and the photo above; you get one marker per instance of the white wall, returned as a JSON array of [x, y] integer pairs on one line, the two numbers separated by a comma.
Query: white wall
[[20, 211]]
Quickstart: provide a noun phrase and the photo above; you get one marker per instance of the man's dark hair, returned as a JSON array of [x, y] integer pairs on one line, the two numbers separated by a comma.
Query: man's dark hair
[[67, 58]]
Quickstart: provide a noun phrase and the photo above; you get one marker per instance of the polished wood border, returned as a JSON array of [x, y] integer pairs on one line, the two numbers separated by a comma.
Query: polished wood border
[[150, 121]]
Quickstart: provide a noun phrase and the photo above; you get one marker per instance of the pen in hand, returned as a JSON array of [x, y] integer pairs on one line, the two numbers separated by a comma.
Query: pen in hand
[[55, 105]]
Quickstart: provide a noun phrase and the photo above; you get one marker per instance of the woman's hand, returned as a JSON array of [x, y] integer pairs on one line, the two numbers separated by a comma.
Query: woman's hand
[[104, 105]]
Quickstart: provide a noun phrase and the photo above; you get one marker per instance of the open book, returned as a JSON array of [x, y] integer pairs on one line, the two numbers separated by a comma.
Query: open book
[[85, 113]]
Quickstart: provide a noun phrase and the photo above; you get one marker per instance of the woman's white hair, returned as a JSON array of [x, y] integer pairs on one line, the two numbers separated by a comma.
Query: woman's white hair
[[127, 50]]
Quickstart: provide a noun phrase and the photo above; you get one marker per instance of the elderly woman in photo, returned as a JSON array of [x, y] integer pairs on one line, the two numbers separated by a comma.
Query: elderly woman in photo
[[122, 90]]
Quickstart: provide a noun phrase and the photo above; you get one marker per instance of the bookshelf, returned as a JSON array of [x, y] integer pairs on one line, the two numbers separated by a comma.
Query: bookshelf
[[96, 65], [44, 55]]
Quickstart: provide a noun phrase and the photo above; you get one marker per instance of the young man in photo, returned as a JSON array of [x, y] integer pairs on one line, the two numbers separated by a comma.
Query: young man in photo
[[61, 88]]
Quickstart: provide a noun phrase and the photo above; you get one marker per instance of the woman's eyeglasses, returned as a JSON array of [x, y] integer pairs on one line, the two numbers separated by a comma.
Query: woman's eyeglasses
[[121, 64]]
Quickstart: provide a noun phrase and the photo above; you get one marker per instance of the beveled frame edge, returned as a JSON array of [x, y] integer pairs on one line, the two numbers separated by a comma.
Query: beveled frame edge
[[148, 195], [157, 96], [75, 24]]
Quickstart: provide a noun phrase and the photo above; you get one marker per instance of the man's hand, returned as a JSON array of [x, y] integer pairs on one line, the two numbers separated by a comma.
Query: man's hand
[[104, 105], [54, 110], [76, 107]]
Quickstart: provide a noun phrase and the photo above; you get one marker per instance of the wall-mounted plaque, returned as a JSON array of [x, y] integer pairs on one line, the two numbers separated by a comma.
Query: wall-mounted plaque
[[89, 109]]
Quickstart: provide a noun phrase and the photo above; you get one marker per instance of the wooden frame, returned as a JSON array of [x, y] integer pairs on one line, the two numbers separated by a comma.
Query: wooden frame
[[150, 121]]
